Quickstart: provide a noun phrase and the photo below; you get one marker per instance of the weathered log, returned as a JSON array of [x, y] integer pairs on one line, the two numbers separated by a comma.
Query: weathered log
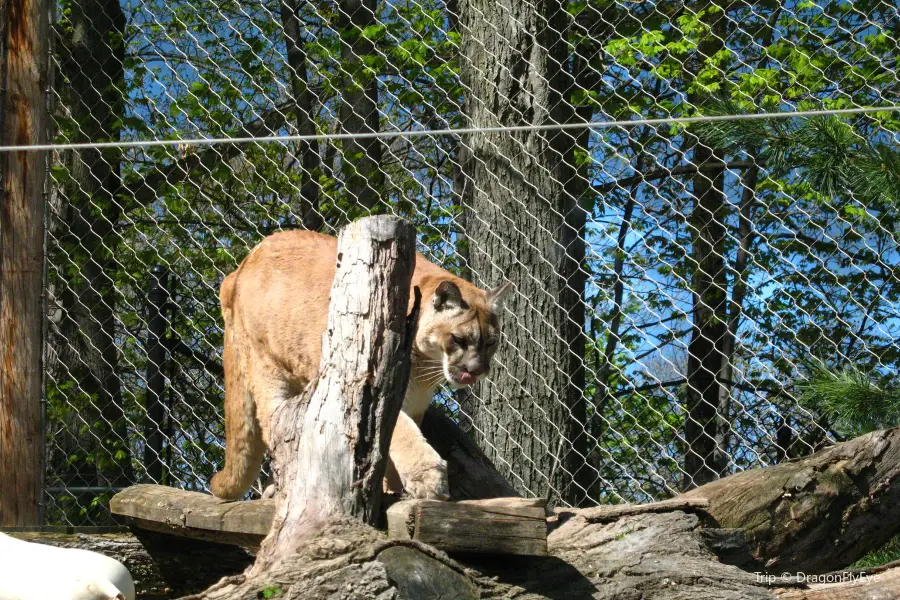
[[422, 573], [611, 512], [652, 556], [818, 513], [471, 474], [517, 525], [194, 515], [329, 446], [657, 555], [495, 526]]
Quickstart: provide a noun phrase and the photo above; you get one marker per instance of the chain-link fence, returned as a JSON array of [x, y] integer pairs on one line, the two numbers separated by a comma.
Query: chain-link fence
[[672, 281]]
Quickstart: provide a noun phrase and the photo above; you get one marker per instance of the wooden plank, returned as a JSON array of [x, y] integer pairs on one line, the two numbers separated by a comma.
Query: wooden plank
[[496, 526], [195, 515]]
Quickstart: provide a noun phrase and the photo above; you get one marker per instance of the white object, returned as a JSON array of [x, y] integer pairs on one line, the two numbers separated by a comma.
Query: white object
[[30, 571]]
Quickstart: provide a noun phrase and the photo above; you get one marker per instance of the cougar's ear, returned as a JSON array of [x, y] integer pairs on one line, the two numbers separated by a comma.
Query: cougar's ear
[[496, 296], [447, 295]]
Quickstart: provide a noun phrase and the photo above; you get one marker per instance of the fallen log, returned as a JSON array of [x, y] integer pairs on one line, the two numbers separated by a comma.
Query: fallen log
[[589, 560], [653, 556], [496, 526], [611, 512], [818, 513], [514, 525], [471, 474]]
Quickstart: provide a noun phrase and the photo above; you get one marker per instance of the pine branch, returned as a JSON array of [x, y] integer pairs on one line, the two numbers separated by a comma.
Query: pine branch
[[849, 398], [826, 151]]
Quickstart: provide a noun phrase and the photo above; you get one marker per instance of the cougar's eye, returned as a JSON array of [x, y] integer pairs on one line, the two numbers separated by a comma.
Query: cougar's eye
[[461, 342], [492, 342]]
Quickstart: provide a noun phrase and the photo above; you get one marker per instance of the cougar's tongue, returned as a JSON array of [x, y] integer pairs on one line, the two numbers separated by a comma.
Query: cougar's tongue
[[466, 378]]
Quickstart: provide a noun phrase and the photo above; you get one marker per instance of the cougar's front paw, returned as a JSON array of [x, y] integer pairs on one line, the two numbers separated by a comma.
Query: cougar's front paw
[[428, 482]]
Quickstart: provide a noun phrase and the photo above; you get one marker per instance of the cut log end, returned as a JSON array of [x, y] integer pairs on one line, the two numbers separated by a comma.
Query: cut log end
[[497, 526]]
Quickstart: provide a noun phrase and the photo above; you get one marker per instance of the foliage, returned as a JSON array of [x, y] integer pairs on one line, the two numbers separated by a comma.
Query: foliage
[[834, 159], [888, 553], [855, 404], [849, 399]]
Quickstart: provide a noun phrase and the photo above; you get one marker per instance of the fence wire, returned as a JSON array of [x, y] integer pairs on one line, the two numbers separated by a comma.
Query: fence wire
[[672, 281]]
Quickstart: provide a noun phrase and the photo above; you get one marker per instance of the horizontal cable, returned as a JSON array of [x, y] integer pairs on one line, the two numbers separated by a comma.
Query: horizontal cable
[[283, 139]]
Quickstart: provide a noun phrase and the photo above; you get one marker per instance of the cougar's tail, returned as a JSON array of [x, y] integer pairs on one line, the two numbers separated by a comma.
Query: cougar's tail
[[244, 448]]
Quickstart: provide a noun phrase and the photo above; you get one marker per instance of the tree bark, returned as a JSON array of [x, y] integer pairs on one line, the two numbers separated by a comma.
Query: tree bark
[[523, 224], [359, 105], [818, 513], [304, 100], [92, 63], [330, 444], [157, 324], [707, 407], [24, 39]]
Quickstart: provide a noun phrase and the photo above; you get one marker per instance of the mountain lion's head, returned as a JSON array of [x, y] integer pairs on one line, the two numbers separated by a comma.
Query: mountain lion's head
[[459, 332]]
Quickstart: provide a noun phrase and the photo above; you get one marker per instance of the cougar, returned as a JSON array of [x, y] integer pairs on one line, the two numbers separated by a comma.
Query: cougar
[[275, 307]]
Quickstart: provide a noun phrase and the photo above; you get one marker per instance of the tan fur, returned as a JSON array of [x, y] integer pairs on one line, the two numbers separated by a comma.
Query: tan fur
[[275, 307]]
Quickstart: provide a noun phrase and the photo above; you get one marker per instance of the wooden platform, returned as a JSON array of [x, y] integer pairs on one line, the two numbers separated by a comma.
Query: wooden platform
[[192, 514], [496, 526]]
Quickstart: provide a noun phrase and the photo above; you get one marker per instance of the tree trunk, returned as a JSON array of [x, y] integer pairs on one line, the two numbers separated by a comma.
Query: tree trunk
[[23, 121], [330, 444], [359, 105], [735, 309], [707, 408], [304, 101], [523, 224], [157, 324], [818, 513], [92, 65]]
